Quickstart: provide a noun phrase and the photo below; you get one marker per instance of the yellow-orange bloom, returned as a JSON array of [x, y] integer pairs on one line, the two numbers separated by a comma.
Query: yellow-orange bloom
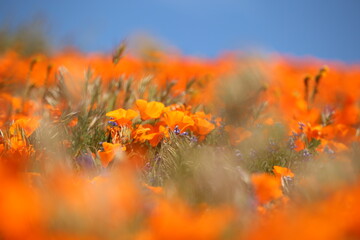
[[149, 110], [178, 118], [202, 126], [122, 116], [153, 134]]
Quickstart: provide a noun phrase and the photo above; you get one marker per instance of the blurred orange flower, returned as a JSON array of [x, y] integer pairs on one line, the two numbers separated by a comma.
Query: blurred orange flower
[[282, 172], [237, 135], [266, 187], [27, 124], [110, 152], [188, 223]]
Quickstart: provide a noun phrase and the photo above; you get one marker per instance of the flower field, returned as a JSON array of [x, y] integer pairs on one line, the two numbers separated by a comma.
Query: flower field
[[166, 146]]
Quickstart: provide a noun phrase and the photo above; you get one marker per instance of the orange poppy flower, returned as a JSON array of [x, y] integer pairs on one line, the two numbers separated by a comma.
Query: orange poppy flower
[[110, 152], [202, 127], [282, 172], [173, 118], [122, 116], [27, 124], [151, 133], [149, 110], [178, 118], [266, 187], [21, 208], [170, 220], [17, 142]]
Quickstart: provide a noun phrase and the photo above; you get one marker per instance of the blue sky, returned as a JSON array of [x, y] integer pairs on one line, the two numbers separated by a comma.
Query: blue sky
[[325, 29]]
